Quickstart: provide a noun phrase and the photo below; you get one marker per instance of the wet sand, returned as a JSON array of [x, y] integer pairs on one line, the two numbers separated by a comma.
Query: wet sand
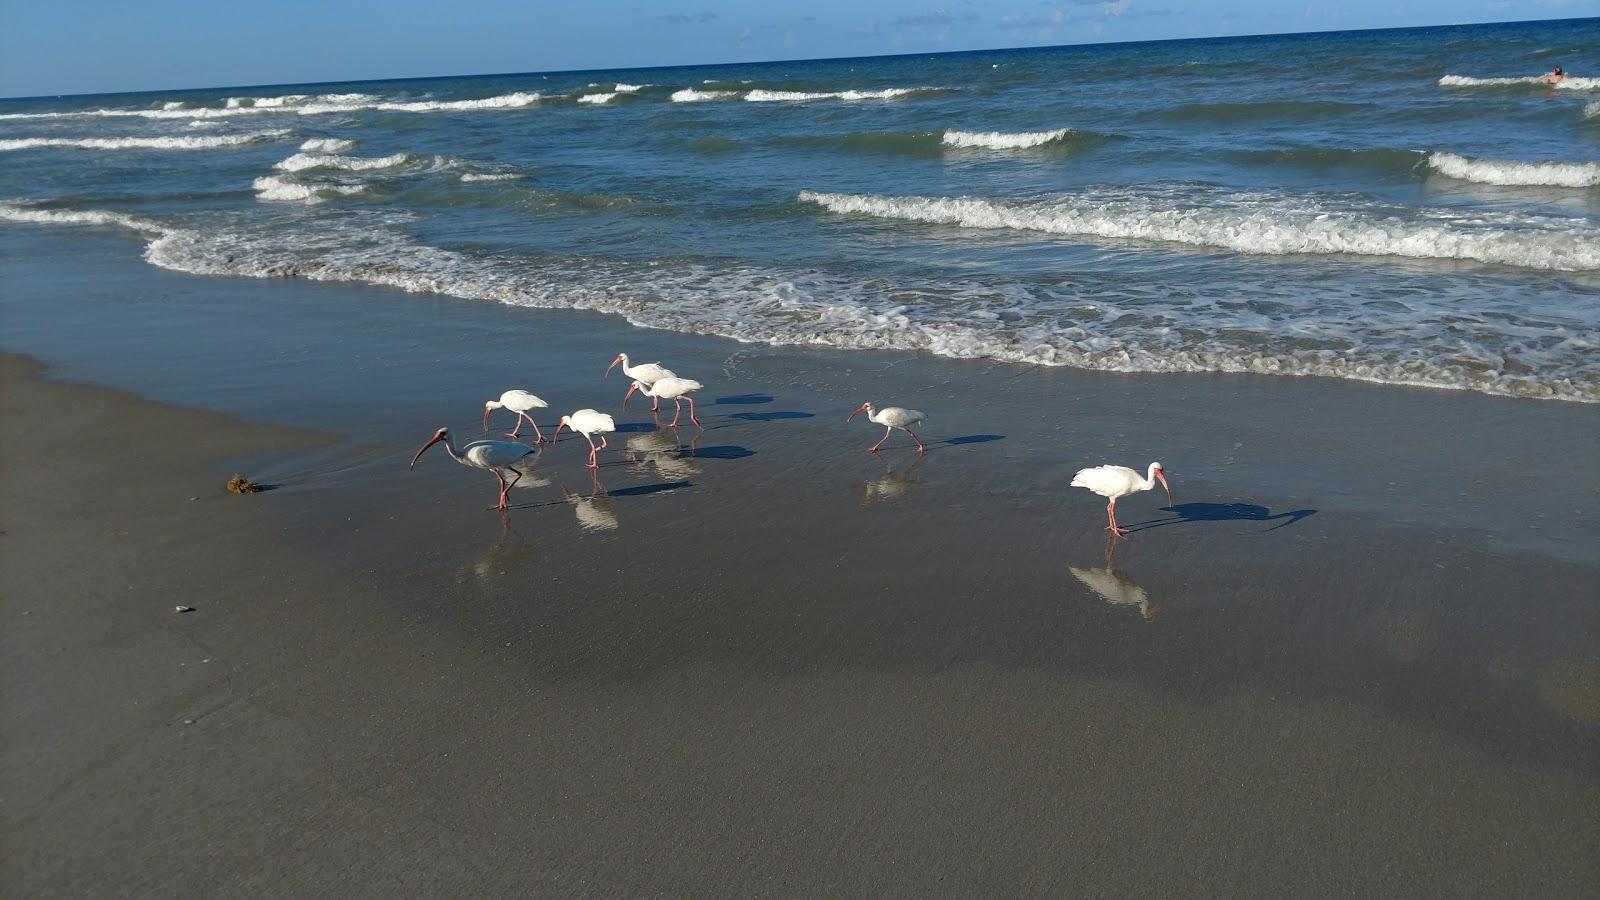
[[1356, 657]]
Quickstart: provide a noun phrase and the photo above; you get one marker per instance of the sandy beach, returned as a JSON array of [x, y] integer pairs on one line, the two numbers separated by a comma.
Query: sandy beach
[[1356, 656]]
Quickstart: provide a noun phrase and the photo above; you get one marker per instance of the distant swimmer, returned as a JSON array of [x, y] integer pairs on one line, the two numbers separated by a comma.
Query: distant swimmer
[[1555, 76]]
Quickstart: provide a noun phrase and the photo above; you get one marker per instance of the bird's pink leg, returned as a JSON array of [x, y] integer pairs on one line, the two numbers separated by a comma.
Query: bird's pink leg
[[920, 446], [1111, 515], [887, 430], [503, 488], [536, 432], [692, 417], [677, 410], [592, 450]]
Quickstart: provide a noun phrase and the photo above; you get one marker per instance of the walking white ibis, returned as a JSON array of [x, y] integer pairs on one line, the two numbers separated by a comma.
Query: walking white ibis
[[1114, 482], [518, 402], [587, 422], [671, 388], [892, 417], [498, 457], [644, 373]]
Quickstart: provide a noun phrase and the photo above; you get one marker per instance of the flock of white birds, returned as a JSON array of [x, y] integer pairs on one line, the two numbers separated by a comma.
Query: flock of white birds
[[506, 459]]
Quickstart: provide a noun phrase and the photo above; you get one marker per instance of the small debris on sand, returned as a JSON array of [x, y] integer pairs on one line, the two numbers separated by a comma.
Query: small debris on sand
[[183, 609], [239, 484]]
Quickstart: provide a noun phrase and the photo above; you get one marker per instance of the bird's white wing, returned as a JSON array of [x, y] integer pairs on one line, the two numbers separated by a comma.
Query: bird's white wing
[[1107, 481], [900, 417], [650, 373], [496, 454]]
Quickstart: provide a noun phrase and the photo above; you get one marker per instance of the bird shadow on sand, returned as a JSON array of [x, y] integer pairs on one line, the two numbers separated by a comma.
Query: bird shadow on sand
[[743, 400], [1222, 512], [600, 493], [723, 452], [972, 439]]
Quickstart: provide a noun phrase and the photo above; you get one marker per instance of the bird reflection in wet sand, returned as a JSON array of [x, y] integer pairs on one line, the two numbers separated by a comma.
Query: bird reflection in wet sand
[[595, 511], [504, 554], [1115, 586], [664, 450], [893, 484]]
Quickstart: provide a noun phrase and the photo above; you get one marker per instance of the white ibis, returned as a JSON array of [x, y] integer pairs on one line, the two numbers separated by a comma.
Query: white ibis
[[892, 417], [644, 373], [518, 402], [671, 388], [587, 422], [1114, 482], [498, 457]]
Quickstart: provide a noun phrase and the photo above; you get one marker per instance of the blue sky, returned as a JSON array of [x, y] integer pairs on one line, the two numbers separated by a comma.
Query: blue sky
[[87, 46]]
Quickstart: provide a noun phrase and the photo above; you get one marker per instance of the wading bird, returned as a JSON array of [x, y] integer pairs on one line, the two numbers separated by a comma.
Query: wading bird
[[498, 457], [644, 373], [675, 389], [1113, 482], [892, 417], [587, 422], [518, 402]]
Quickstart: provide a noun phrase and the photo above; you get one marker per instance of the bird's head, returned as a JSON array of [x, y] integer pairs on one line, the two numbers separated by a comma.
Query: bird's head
[[1160, 475], [621, 358], [489, 407], [566, 422], [863, 408], [636, 386], [442, 434]]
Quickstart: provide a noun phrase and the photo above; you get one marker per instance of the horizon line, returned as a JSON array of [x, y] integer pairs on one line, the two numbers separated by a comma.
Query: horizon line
[[813, 59]]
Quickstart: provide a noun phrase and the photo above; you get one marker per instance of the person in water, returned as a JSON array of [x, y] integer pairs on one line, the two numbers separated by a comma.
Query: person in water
[[1555, 76]]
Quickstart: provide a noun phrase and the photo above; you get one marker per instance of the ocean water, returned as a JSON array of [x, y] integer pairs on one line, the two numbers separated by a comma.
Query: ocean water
[[1410, 207]]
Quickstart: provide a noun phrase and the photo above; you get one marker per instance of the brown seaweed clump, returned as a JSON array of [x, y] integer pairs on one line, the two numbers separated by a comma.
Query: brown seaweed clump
[[239, 484]]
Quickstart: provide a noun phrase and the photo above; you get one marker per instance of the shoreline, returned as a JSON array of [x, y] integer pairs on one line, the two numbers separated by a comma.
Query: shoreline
[[777, 664]]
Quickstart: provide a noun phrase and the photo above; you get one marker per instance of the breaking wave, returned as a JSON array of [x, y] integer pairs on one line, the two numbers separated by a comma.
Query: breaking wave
[[1255, 224], [274, 188], [597, 98], [301, 161], [691, 95], [1469, 81], [327, 145], [1424, 341], [301, 104], [630, 88], [1510, 172], [470, 177], [999, 140], [765, 96], [206, 142]]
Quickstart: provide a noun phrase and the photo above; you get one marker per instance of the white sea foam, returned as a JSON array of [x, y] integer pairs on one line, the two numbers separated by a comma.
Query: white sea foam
[[597, 98], [301, 161], [204, 123], [327, 145], [301, 104], [174, 104], [1570, 83], [276, 188], [198, 142], [1511, 172], [469, 177], [1469, 81], [999, 140], [764, 96], [1423, 341], [1256, 224], [691, 95], [630, 88], [1591, 110], [10, 212]]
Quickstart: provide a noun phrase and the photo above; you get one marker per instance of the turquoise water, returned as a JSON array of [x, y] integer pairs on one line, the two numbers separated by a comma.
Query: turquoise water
[[1400, 206]]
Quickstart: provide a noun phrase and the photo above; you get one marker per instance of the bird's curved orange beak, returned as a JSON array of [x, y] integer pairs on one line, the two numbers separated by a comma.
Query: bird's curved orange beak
[[436, 439], [557, 433], [1162, 477], [631, 388], [613, 365], [486, 411], [859, 410]]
